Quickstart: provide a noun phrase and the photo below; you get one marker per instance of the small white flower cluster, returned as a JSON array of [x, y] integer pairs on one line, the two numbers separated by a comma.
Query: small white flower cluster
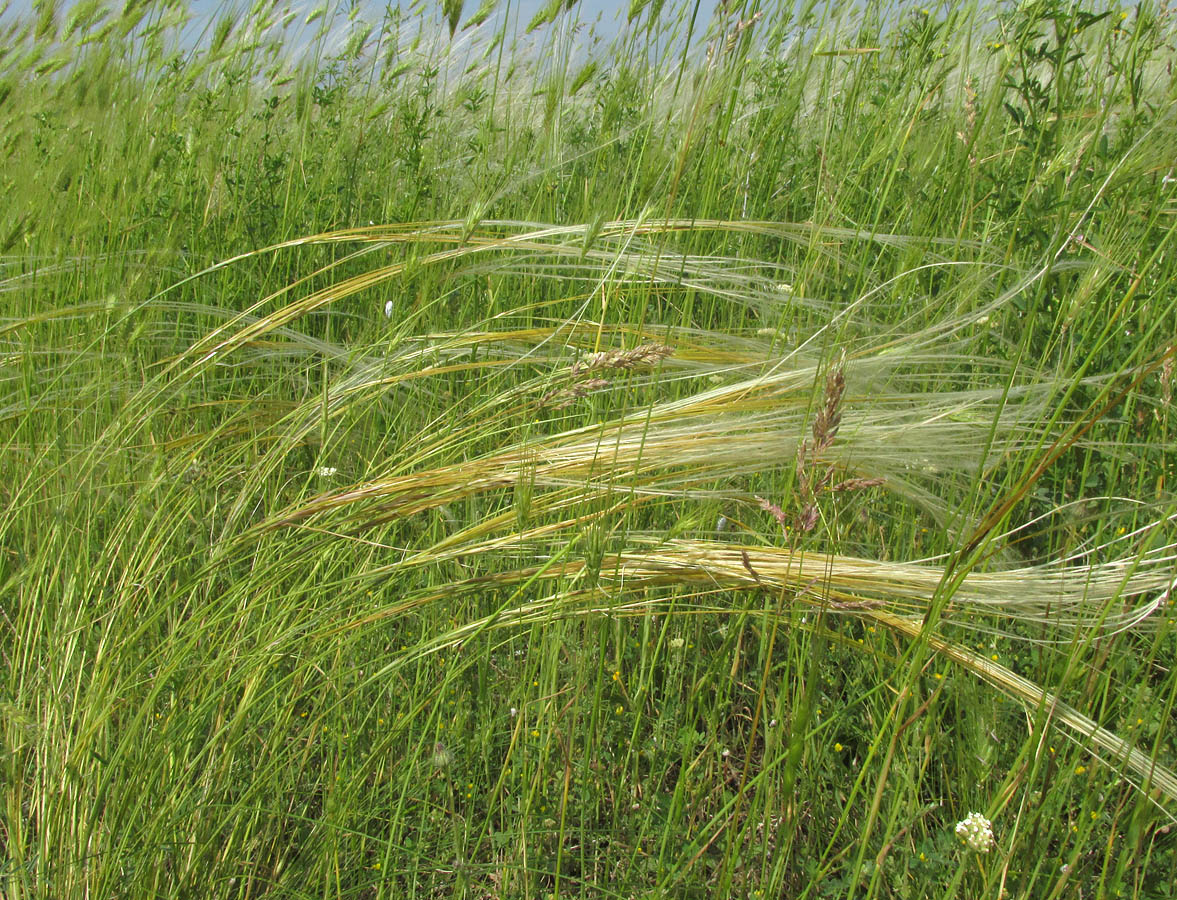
[[976, 831]]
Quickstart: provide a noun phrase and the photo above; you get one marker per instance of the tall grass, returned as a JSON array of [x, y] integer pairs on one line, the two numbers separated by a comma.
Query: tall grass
[[711, 460]]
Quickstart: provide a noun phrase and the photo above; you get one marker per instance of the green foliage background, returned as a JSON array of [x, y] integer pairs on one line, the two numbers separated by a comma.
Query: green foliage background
[[324, 571]]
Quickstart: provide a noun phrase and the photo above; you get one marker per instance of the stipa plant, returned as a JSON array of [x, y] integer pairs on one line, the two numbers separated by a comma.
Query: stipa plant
[[388, 560], [610, 532], [549, 475], [607, 472]]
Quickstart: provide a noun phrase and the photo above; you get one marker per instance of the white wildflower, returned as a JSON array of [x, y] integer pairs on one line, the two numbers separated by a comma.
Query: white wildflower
[[976, 832], [388, 310], [327, 471]]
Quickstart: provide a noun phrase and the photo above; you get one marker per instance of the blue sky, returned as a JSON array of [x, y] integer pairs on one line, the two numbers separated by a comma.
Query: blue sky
[[607, 18], [527, 8], [608, 15], [589, 9]]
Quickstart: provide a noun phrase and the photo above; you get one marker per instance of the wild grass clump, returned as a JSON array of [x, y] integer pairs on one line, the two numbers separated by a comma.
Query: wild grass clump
[[730, 457]]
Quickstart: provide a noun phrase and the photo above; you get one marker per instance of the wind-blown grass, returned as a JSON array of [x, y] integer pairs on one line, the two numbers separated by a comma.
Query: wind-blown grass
[[718, 466]]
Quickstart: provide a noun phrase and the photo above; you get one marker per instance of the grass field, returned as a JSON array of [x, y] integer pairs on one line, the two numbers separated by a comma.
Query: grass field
[[710, 461]]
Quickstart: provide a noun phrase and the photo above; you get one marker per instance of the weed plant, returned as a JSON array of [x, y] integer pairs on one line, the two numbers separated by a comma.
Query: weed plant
[[455, 456]]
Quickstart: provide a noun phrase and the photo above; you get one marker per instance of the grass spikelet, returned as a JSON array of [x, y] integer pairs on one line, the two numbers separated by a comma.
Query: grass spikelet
[[642, 356]]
